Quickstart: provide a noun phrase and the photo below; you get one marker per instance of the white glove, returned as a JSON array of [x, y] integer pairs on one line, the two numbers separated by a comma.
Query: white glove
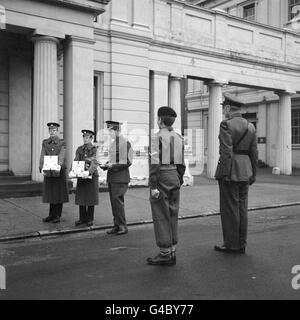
[[85, 174], [155, 193]]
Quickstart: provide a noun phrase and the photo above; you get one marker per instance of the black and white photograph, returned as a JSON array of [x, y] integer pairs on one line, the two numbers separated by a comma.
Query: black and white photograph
[[149, 153]]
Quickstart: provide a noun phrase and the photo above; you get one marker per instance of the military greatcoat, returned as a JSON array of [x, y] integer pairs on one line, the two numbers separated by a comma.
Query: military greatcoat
[[55, 189], [87, 191], [235, 170]]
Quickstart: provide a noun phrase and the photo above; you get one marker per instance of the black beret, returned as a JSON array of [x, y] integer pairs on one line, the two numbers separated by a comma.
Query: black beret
[[115, 125], [88, 132], [53, 125], [166, 111], [232, 100]]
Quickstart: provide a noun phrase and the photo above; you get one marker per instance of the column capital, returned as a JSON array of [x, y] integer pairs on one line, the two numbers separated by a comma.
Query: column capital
[[175, 78], [161, 73], [81, 40], [216, 83], [284, 93], [39, 38]]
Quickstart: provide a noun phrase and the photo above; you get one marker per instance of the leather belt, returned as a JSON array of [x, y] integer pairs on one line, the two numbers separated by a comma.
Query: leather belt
[[162, 168], [243, 152]]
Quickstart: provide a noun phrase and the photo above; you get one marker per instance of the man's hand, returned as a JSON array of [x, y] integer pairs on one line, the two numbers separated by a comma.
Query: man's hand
[[252, 180], [155, 193], [226, 178], [85, 175], [109, 165]]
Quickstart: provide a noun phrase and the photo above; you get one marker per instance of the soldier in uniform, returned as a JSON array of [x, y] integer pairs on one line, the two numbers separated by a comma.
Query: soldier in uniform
[[166, 177], [87, 190], [236, 170], [55, 189], [118, 176]]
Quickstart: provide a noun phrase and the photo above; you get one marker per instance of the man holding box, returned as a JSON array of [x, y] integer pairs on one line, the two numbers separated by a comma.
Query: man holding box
[[55, 188], [118, 176], [87, 191]]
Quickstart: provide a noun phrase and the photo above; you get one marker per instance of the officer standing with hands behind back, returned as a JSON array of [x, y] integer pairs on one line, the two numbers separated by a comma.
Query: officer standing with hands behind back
[[236, 170], [55, 189]]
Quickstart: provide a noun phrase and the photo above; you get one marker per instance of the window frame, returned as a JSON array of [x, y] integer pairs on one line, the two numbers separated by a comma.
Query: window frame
[[249, 5], [290, 7]]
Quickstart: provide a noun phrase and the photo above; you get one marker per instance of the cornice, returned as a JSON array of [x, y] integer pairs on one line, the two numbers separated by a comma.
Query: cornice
[[94, 6], [230, 56]]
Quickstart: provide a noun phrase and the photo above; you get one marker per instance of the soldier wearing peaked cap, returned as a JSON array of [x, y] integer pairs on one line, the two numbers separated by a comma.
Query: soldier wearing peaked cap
[[166, 177], [236, 170], [118, 176], [87, 190], [55, 189]]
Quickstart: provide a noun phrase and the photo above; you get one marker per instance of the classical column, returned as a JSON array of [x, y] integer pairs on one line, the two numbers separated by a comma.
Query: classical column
[[45, 97], [261, 131], [159, 94], [214, 120], [175, 100], [78, 91], [284, 135]]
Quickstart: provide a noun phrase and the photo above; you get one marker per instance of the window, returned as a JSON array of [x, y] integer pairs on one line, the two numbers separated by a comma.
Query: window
[[295, 11], [249, 12], [296, 126]]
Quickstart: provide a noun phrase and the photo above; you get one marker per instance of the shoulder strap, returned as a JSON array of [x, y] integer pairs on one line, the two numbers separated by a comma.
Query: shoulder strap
[[243, 136]]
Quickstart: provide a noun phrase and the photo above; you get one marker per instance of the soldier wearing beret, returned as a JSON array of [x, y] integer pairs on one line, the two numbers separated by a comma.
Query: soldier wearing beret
[[166, 177], [118, 177], [55, 189], [236, 170], [87, 190]]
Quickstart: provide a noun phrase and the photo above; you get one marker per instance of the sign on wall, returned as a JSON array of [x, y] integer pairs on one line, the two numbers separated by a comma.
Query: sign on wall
[[262, 140], [2, 17]]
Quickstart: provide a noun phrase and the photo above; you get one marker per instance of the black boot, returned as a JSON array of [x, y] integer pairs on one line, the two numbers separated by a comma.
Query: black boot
[[82, 216], [161, 260], [51, 215], [90, 216]]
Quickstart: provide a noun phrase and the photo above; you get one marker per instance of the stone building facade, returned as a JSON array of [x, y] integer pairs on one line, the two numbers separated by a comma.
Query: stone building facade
[[83, 62], [262, 106]]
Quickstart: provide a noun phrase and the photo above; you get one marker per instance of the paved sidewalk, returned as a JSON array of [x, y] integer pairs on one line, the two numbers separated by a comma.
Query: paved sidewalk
[[23, 216]]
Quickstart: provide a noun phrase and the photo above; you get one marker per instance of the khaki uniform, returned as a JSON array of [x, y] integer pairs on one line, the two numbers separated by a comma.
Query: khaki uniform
[[118, 177], [166, 174], [237, 165], [55, 189]]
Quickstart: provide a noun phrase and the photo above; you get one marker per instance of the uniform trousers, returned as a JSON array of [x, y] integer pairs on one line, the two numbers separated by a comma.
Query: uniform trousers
[[86, 213], [116, 195], [55, 210], [234, 213], [165, 209]]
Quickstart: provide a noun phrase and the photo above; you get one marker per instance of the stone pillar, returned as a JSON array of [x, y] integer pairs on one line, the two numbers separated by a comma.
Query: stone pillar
[[175, 100], [159, 94], [45, 97], [261, 131], [284, 135], [214, 120], [78, 91]]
